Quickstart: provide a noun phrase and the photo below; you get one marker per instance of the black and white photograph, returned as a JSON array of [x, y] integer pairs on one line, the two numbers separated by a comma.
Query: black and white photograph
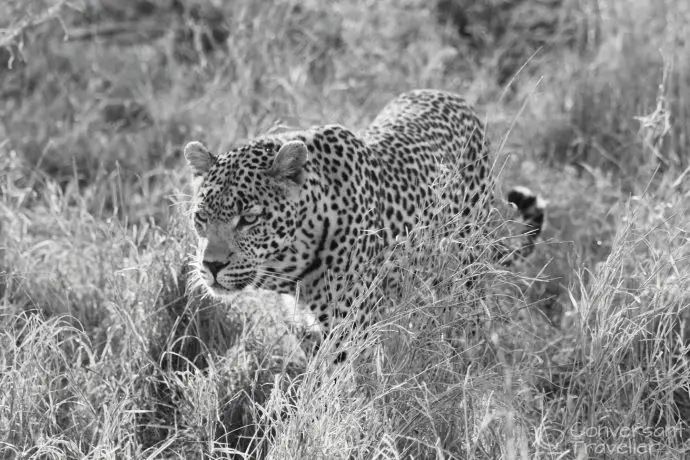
[[345, 229]]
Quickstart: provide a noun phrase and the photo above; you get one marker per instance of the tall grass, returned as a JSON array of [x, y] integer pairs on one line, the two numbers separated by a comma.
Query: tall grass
[[624, 105], [105, 351]]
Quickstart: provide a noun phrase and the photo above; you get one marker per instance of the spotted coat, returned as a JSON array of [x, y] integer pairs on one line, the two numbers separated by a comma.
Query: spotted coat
[[320, 207]]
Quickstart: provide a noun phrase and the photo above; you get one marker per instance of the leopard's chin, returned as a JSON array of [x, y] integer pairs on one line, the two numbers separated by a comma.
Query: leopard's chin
[[219, 291], [231, 291]]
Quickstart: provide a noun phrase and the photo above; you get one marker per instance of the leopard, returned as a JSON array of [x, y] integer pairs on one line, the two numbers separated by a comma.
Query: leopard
[[317, 211]]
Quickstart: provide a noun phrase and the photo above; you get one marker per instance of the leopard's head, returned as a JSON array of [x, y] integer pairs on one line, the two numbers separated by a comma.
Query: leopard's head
[[246, 209]]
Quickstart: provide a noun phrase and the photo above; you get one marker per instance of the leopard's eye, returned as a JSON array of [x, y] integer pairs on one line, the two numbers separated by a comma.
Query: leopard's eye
[[247, 220], [200, 221]]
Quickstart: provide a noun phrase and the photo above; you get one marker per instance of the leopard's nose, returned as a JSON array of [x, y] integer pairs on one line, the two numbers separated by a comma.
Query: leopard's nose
[[215, 267]]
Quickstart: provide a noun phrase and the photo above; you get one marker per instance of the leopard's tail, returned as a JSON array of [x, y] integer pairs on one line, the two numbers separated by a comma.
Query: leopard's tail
[[533, 211]]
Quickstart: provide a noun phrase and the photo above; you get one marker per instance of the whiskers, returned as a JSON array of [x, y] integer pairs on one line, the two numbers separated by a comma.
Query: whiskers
[[196, 283], [263, 273]]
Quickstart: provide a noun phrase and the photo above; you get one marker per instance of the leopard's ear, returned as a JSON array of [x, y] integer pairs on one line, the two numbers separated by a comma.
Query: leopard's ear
[[199, 158], [289, 163]]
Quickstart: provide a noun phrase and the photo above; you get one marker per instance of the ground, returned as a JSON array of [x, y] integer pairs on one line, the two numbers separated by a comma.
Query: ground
[[579, 352]]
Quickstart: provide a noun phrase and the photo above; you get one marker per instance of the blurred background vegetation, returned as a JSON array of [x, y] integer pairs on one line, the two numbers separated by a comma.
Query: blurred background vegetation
[[105, 354]]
